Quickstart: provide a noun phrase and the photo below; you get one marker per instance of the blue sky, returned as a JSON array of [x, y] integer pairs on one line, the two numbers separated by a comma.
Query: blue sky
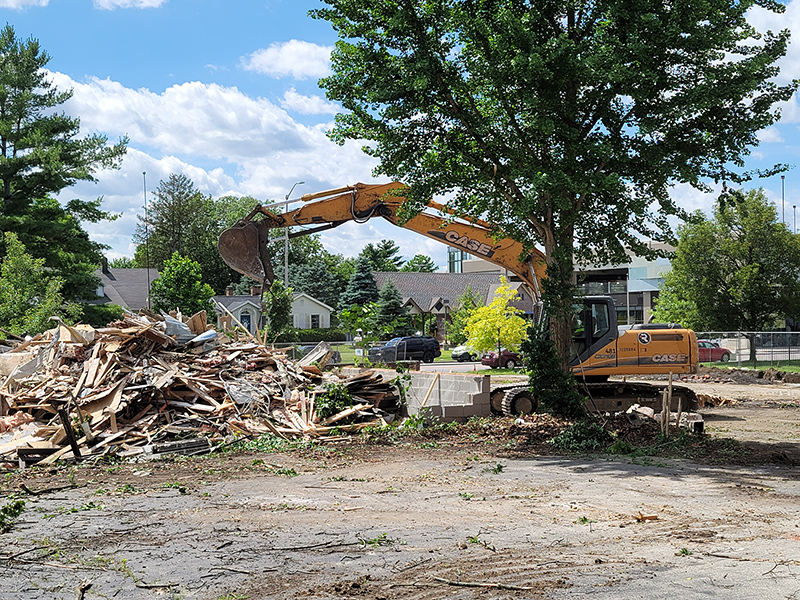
[[226, 93]]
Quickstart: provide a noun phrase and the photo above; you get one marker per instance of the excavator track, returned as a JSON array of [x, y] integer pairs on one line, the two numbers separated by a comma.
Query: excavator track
[[609, 396]]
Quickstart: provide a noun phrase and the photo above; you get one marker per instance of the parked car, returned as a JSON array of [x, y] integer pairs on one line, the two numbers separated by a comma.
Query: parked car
[[507, 359], [708, 351], [410, 347], [464, 354]]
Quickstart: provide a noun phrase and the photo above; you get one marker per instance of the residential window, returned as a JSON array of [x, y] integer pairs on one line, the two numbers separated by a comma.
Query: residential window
[[314, 321]]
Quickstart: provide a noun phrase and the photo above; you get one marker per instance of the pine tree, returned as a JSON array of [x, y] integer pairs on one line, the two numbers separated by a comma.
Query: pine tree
[[361, 289], [392, 316]]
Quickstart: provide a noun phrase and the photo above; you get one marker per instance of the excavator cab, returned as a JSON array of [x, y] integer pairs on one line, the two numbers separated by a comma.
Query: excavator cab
[[594, 327]]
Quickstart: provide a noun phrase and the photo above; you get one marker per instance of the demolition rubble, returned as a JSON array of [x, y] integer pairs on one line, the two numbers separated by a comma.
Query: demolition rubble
[[152, 384]]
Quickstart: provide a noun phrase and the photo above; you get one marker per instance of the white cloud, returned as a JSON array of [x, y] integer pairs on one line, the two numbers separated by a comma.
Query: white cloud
[[22, 4], [294, 58], [114, 4], [308, 105], [223, 140], [770, 135]]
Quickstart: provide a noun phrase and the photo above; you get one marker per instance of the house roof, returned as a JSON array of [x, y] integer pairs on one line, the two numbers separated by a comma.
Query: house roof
[[127, 287], [235, 301], [427, 289], [314, 300]]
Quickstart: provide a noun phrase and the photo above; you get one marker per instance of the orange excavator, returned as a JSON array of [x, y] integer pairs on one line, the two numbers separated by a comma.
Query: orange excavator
[[599, 349]]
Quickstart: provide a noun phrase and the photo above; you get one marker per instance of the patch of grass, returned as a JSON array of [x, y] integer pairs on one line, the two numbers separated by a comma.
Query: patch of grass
[[381, 540], [497, 469], [175, 485], [585, 521], [285, 472], [466, 496], [684, 552]]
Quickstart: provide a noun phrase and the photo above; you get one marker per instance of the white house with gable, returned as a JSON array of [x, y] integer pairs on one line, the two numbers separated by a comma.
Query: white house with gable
[[310, 313]]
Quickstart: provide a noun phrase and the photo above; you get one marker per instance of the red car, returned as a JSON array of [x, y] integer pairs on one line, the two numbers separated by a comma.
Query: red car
[[708, 351], [508, 359]]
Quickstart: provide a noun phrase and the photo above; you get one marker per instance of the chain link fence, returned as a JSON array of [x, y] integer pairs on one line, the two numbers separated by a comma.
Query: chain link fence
[[753, 348]]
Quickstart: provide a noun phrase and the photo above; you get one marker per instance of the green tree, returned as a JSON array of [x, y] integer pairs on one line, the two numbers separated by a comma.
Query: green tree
[[361, 288], [123, 262], [29, 294], [739, 271], [181, 287], [420, 263], [497, 325], [564, 122], [183, 220], [466, 305], [42, 154], [391, 318], [319, 280], [383, 256], [278, 302]]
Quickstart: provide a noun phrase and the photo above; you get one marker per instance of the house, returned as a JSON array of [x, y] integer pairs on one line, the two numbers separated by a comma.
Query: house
[[307, 312], [127, 287], [431, 296], [310, 313], [245, 308]]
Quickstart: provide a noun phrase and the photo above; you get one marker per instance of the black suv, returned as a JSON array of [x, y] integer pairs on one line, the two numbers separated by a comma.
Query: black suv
[[411, 347]]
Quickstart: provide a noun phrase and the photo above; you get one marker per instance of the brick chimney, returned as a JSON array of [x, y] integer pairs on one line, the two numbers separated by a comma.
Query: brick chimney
[[229, 290], [255, 290]]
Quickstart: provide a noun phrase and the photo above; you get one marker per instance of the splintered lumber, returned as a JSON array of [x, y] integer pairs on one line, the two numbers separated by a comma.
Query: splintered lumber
[[130, 383], [346, 413]]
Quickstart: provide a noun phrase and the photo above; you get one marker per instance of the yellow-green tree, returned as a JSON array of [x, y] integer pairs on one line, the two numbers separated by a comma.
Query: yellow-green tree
[[498, 324]]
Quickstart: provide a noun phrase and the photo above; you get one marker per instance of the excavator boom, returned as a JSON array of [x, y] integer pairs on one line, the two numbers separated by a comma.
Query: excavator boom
[[244, 246]]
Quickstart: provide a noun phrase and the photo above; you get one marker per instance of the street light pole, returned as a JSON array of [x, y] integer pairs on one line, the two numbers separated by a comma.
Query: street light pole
[[783, 203], [286, 238], [794, 218]]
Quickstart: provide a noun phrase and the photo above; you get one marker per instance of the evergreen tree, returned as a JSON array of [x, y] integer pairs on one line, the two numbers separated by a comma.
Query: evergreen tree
[[181, 219], [361, 288], [420, 263], [41, 155], [383, 256], [391, 318]]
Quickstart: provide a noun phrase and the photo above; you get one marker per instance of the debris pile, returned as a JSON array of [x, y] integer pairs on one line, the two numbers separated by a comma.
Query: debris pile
[[152, 384]]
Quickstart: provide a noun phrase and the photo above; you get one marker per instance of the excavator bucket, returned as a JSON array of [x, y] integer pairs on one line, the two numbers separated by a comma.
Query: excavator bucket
[[244, 248]]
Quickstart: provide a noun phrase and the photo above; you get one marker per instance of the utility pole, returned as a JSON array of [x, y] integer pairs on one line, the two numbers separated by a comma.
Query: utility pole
[[286, 239], [146, 236]]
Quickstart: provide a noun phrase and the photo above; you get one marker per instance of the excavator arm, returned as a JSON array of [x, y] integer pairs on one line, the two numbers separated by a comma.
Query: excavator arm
[[244, 246]]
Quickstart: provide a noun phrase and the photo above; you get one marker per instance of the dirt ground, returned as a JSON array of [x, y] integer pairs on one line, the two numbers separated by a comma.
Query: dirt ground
[[474, 516]]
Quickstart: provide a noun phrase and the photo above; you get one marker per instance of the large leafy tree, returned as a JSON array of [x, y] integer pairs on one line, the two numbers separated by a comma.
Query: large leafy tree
[[564, 122], [181, 287], [738, 271], [278, 301], [41, 154], [466, 305], [29, 294], [498, 324]]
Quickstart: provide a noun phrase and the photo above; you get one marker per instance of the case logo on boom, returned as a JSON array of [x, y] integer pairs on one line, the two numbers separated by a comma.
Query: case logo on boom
[[472, 245]]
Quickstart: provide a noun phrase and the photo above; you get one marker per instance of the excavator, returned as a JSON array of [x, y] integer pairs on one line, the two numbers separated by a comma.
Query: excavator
[[598, 350]]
